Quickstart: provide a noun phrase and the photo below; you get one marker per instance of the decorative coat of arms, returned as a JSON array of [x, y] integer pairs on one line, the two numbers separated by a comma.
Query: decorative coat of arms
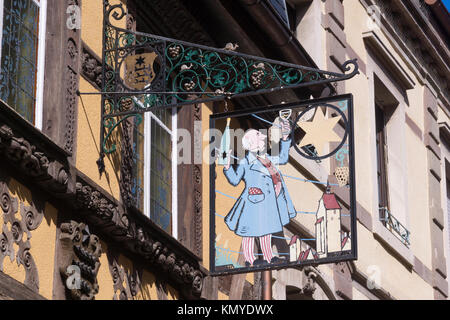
[[139, 72]]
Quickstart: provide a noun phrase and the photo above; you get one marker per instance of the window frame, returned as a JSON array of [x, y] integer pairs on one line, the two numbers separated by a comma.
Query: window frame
[[147, 137], [38, 107], [397, 104]]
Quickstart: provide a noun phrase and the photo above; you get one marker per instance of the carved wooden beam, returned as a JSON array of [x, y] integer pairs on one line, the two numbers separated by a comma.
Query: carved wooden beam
[[30, 152], [139, 236]]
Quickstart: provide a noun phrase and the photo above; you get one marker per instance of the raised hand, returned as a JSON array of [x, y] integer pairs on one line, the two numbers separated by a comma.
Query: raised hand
[[285, 129], [227, 165]]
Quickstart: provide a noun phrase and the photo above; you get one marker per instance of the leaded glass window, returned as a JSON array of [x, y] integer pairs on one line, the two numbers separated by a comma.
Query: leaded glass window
[[154, 171], [22, 43]]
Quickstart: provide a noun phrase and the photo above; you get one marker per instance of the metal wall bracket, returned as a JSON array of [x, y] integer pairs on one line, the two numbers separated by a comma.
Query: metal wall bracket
[[144, 72]]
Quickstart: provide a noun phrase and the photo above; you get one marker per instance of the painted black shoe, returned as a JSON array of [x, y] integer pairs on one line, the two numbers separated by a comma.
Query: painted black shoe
[[248, 264], [276, 260], [259, 262]]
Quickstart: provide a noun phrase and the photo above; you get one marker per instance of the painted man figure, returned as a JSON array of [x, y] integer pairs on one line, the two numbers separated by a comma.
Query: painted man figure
[[264, 206]]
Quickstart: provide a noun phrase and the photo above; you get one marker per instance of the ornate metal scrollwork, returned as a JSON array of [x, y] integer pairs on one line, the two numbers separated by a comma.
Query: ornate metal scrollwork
[[170, 73]]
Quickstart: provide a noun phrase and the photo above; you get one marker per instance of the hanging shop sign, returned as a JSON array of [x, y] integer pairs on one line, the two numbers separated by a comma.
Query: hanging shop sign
[[265, 213]]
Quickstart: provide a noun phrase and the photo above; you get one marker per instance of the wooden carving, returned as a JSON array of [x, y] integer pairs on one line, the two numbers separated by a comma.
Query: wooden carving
[[80, 262], [18, 231], [32, 162]]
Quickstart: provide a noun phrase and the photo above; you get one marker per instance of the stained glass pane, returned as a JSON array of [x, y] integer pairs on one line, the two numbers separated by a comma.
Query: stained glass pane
[[161, 174], [160, 170], [19, 56]]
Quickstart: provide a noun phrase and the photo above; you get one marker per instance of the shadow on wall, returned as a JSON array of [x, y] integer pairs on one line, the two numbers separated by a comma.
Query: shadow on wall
[[113, 158]]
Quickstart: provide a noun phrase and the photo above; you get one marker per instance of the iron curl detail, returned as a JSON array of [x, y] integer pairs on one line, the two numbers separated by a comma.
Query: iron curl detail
[[116, 11], [348, 65]]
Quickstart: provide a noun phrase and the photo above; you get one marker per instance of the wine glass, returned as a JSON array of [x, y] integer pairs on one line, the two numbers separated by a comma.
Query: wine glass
[[285, 114]]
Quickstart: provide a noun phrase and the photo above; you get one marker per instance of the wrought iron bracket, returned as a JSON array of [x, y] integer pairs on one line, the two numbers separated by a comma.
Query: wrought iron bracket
[[144, 72]]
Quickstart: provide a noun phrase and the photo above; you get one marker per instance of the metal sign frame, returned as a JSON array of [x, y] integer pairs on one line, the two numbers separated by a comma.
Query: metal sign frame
[[182, 73], [349, 255]]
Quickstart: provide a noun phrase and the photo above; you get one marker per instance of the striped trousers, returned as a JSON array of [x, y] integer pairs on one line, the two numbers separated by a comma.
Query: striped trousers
[[248, 245]]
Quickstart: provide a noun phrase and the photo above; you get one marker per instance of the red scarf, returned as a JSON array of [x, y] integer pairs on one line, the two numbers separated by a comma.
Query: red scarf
[[274, 174]]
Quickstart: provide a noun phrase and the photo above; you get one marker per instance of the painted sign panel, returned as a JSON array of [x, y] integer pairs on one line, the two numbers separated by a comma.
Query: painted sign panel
[[282, 186]]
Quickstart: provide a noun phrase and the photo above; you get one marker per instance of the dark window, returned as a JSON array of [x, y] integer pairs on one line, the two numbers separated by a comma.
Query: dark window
[[383, 197], [448, 205], [19, 55], [281, 8]]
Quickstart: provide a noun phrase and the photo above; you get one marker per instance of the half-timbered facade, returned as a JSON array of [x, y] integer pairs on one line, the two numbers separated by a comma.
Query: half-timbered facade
[[139, 228]]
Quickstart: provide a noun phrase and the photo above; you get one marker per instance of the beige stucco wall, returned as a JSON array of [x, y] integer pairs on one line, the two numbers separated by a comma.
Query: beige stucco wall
[[396, 278]]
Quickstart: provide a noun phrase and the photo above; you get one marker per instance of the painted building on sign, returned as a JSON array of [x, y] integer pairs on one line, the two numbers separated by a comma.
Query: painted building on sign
[[91, 185], [328, 225]]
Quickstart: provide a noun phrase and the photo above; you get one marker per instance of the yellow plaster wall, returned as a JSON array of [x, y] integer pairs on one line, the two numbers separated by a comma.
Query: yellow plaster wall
[[104, 278], [42, 242], [43, 250], [88, 136], [172, 294], [147, 291], [222, 296], [92, 23], [89, 106]]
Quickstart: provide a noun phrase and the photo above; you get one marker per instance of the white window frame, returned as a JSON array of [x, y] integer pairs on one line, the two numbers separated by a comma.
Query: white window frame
[[147, 165], [38, 107]]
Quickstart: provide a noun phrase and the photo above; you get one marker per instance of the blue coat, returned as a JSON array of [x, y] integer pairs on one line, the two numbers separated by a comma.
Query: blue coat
[[259, 214]]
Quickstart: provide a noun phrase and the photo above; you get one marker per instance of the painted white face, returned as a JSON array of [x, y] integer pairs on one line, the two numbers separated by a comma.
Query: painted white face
[[256, 141]]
